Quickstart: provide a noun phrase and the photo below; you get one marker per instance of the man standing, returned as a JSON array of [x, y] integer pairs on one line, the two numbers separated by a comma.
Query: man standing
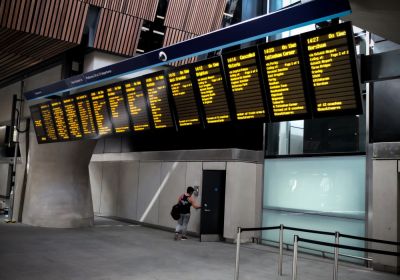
[[185, 201]]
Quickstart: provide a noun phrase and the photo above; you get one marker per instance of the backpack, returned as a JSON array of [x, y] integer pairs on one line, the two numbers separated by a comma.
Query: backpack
[[176, 211]]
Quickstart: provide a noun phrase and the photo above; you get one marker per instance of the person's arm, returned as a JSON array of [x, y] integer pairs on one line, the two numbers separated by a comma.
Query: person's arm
[[194, 203]]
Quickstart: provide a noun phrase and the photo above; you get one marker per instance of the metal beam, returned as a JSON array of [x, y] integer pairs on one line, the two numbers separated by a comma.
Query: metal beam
[[246, 31]]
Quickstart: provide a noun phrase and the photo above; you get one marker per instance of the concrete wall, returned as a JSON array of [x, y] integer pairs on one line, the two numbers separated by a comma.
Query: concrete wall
[[146, 190], [4, 178], [385, 211]]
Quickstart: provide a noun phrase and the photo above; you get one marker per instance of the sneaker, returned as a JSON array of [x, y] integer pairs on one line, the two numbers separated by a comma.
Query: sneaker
[[176, 236], [184, 238]]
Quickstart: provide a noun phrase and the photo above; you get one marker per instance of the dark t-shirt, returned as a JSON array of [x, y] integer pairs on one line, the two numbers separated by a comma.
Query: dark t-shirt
[[185, 204]]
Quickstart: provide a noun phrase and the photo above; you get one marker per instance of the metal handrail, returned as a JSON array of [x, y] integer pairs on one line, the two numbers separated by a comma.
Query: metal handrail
[[336, 246]]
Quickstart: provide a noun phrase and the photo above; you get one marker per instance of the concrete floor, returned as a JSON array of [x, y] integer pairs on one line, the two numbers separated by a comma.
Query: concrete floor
[[114, 250]]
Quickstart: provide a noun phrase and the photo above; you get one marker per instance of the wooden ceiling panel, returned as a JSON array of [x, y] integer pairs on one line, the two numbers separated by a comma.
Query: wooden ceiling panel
[[144, 9], [173, 36], [111, 37]]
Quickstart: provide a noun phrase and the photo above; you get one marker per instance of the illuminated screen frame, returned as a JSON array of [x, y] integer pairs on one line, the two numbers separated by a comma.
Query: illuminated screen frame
[[196, 95], [72, 137], [229, 104], [95, 90], [121, 84], [39, 111], [261, 83], [303, 76], [147, 104], [353, 65], [95, 133], [169, 102]]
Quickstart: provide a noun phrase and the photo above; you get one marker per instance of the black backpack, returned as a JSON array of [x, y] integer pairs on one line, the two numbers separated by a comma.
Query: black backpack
[[176, 211]]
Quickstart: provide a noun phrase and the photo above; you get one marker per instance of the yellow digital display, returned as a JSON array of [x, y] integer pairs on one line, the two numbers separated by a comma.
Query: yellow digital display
[[38, 124], [331, 70], [86, 115], [59, 120], [137, 105], [243, 78], [182, 92], [286, 92], [158, 98], [48, 122], [119, 114], [212, 91], [72, 118], [100, 112]]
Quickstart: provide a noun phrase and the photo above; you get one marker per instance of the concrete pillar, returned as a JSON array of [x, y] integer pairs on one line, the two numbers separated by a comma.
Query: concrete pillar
[[58, 192], [385, 212]]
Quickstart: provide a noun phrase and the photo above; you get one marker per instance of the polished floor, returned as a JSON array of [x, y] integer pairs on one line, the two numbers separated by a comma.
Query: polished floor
[[114, 250]]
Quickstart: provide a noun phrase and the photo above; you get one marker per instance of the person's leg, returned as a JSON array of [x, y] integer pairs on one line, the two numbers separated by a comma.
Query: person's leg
[[178, 228], [185, 222]]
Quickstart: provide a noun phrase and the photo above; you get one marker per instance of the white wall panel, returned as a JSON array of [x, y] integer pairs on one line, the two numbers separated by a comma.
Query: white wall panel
[[128, 190], [96, 176], [173, 177], [240, 198], [149, 182], [109, 188], [214, 165]]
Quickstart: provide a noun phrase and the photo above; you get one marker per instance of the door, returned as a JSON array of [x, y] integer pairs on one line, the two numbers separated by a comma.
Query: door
[[213, 205]]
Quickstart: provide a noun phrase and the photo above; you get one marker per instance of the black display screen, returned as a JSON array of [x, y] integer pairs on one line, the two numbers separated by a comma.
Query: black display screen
[[60, 120], [137, 105], [71, 115], [86, 115], [181, 85], [283, 73], [100, 112], [48, 122], [38, 124], [241, 68], [157, 91], [118, 109], [333, 78], [210, 81]]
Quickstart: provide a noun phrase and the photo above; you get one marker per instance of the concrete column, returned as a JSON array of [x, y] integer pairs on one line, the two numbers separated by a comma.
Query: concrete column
[[58, 192], [385, 215]]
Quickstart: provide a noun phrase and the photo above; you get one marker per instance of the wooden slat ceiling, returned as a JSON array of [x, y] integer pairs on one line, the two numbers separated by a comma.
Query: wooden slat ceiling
[[186, 19], [144, 9], [32, 31], [195, 16], [117, 32]]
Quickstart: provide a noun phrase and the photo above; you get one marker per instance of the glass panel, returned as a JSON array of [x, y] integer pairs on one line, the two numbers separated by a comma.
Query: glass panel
[[334, 185], [315, 222], [325, 135]]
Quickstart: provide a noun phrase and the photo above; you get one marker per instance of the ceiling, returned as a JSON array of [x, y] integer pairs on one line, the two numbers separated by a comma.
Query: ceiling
[[380, 17]]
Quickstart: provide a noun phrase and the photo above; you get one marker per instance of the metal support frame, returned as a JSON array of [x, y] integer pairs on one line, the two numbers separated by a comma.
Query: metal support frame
[[295, 250], [260, 27], [336, 258], [237, 253], [280, 250]]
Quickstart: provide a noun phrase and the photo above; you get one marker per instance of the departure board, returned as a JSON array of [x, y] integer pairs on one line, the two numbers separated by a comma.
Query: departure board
[[157, 91], [100, 112], [181, 86], [40, 131], [245, 84], [86, 116], [283, 72], [211, 85], [48, 122], [118, 111], [59, 120], [71, 115], [137, 105], [330, 55]]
